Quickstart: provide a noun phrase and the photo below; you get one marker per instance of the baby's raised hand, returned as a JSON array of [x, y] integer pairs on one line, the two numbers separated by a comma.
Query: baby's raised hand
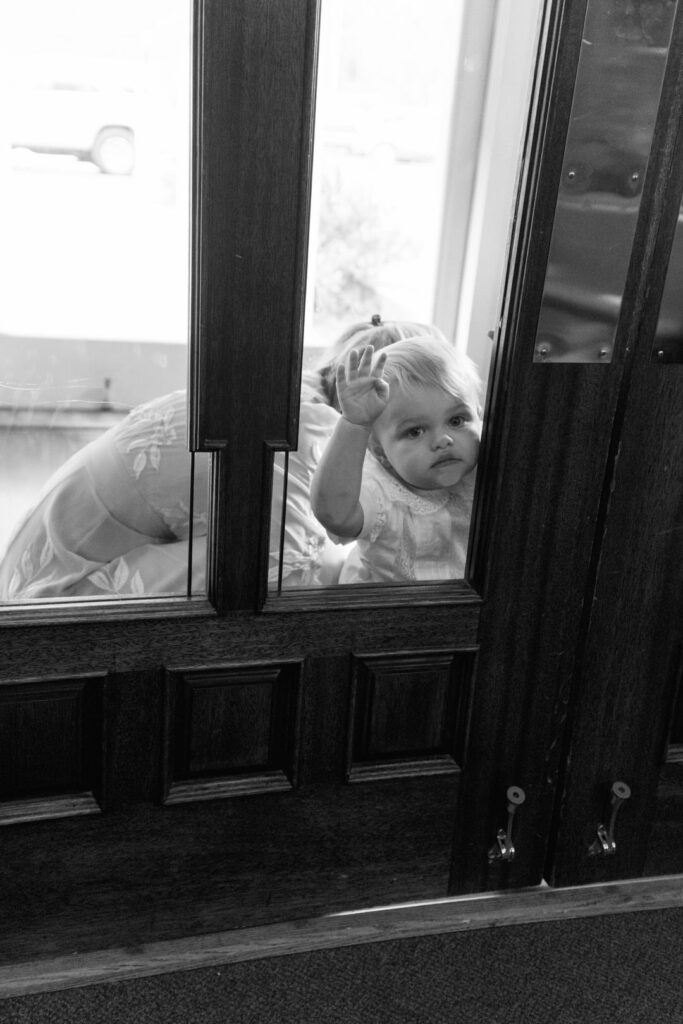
[[363, 393]]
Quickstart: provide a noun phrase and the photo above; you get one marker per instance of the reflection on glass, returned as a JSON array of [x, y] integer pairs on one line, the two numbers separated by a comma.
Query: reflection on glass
[[668, 343], [419, 118], [94, 207], [617, 91]]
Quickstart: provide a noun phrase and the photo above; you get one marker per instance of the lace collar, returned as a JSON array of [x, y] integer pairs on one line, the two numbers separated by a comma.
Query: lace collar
[[422, 503]]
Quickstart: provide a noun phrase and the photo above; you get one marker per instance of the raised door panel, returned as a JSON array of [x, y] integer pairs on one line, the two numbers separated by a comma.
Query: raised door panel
[[232, 730], [407, 714], [52, 748]]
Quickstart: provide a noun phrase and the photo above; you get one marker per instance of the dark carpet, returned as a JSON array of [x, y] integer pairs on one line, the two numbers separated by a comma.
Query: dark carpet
[[619, 969]]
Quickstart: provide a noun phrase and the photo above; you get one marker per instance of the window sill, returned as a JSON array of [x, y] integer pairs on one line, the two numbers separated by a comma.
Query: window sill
[[363, 595], [47, 613]]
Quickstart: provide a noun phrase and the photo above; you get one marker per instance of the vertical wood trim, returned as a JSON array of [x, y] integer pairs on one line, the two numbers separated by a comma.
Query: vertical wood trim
[[539, 181], [254, 101], [254, 80], [197, 202]]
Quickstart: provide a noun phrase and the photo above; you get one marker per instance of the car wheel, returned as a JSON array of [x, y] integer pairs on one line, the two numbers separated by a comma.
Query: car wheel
[[114, 151]]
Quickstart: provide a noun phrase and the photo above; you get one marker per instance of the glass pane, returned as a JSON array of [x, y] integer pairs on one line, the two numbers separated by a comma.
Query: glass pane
[[419, 119], [618, 86], [94, 159]]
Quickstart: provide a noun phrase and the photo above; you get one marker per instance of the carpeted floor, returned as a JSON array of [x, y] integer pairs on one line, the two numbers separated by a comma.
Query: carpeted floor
[[619, 969]]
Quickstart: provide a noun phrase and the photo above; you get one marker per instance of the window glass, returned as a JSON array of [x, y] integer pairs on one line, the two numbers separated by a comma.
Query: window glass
[[420, 115], [616, 96], [94, 158]]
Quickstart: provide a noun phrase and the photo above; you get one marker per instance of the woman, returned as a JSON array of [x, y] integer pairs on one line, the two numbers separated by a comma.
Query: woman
[[114, 520]]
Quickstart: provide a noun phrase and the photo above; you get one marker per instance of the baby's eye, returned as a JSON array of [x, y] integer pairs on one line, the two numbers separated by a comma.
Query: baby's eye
[[414, 432], [457, 421]]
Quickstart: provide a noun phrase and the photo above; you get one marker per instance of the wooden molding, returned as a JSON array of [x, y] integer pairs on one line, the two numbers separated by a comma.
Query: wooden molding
[[16, 812], [464, 913], [439, 764], [221, 789]]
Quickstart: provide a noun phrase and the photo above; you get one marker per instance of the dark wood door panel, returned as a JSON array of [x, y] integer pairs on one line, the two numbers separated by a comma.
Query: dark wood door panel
[[231, 731], [52, 748], [554, 438], [630, 664], [329, 800], [311, 713], [141, 646], [408, 714], [146, 872]]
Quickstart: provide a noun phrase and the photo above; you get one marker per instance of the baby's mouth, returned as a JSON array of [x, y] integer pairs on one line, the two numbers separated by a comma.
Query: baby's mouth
[[445, 460]]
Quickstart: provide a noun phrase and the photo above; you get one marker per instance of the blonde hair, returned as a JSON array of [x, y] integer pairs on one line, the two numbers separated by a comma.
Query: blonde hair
[[360, 335], [428, 361]]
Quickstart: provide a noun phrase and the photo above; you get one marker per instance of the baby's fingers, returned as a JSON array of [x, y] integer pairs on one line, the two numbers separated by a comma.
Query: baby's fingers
[[358, 363], [365, 360], [352, 361], [378, 368]]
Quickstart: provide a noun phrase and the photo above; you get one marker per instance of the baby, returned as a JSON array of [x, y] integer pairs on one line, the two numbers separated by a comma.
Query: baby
[[398, 473]]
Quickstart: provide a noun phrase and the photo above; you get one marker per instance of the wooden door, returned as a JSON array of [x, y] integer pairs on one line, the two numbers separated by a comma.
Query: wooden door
[[176, 767], [184, 767], [581, 690], [623, 771]]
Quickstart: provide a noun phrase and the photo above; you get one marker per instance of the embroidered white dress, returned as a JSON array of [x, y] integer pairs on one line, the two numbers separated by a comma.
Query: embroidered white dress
[[309, 558], [409, 535], [114, 520]]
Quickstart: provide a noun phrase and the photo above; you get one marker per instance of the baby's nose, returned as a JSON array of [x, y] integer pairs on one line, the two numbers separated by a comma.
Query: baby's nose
[[444, 441]]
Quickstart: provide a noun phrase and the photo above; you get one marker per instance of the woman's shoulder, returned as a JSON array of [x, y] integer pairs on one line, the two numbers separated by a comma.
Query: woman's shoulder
[[166, 409], [316, 416], [161, 421], [312, 388]]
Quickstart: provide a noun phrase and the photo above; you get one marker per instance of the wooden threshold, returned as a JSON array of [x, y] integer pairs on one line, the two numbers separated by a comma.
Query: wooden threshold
[[379, 924]]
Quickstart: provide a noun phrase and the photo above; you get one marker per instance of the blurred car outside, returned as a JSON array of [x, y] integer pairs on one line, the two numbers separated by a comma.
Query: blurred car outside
[[61, 116]]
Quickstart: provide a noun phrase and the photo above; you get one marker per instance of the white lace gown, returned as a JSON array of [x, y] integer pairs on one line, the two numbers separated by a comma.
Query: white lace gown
[[114, 520], [309, 558]]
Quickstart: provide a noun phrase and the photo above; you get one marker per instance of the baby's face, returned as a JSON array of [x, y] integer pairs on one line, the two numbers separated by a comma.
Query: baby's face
[[430, 438]]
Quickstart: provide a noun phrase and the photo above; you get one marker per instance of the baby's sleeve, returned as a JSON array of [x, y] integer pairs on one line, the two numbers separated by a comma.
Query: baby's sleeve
[[372, 501]]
